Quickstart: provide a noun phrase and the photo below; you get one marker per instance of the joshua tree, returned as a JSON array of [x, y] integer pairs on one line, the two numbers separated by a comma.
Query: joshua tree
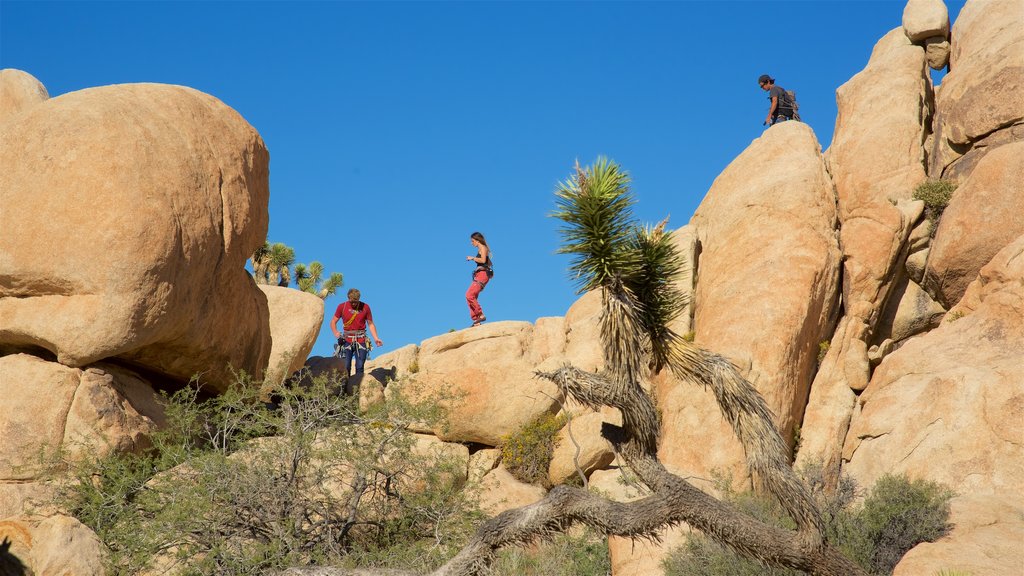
[[271, 262], [633, 267], [309, 279]]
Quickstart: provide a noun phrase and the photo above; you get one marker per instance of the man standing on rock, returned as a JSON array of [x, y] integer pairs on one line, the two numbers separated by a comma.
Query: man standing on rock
[[781, 108], [355, 318]]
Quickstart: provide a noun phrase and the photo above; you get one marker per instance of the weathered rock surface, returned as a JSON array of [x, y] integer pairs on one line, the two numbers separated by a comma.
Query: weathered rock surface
[[985, 541], [52, 546], [876, 159], [764, 299], [985, 214], [49, 407], [129, 213], [500, 491], [583, 332], [486, 373], [295, 320], [936, 51], [19, 91], [580, 446], [965, 382], [924, 19], [984, 89]]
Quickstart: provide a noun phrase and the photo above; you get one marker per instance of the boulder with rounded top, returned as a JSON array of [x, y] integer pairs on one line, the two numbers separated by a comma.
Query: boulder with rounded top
[[129, 213], [295, 320], [19, 91], [484, 376], [985, 214], [924, 19], [765, 299]]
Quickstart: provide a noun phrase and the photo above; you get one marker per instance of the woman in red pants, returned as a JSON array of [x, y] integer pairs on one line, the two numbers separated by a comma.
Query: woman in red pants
[[481, 275]]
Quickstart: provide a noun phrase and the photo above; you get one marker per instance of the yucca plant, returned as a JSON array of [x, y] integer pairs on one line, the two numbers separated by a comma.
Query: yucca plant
[[310, 279], [271, 264]]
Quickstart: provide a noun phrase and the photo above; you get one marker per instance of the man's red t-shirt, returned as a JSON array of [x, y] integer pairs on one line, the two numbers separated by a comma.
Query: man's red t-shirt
[[352, 319]]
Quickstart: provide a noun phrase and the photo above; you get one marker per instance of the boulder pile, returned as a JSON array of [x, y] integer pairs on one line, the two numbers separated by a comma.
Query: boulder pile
[[884, 338]]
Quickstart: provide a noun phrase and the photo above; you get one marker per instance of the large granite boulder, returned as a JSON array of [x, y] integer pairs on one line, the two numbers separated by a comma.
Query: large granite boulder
[[984, 89], [484, 376], [876, 159], [129, 213], [19, 91], [295, 320], [768, 270], [985, 541], [947, 405], [980, 104], [50, 546], [49, 407], [985, 214]]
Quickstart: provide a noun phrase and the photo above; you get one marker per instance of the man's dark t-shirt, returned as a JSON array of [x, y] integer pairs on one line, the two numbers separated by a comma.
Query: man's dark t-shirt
[[784, 107]]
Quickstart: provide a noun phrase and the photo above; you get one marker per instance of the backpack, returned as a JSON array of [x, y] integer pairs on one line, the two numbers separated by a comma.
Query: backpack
[[791, 100]]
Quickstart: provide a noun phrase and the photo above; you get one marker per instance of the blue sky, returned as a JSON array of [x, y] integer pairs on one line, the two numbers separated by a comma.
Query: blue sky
[[396, 129]]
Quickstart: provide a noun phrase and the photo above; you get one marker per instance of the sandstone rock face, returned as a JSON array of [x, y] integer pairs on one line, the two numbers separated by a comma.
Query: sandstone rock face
[[965, 381], [583, 332], [984, 89], [985, 541], [295, 320], [768, 270], [924, 19], [487, 372], [51, 546], [579, 445], [48, 407], [19, 91], [129, 213], [500, 491], [936, 51], [877, 158], [985, 214]]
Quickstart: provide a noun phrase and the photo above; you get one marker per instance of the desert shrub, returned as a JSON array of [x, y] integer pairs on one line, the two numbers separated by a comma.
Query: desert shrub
[[526, 453], [581, 554], [936, 195], [823, 347], [897, 515], [234, 487]]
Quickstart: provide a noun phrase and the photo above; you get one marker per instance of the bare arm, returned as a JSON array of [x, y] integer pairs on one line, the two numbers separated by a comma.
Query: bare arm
[[334, 327], [373, 332], [771, 110]]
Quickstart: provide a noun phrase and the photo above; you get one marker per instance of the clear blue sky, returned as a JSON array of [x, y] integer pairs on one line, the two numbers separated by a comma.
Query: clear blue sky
[[396, 129]]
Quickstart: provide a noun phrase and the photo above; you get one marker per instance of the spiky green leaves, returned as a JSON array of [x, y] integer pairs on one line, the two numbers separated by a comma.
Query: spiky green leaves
[[596, 206], [610, 250]]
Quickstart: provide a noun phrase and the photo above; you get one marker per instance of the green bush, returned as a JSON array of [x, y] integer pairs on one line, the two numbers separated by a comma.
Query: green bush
[[583, 554], [936, 195], [234, 487], [526, 453], [897, 515]]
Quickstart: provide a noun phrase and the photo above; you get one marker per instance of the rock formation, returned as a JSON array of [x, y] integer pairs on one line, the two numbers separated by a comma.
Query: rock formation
[[19, 91], [881, 342], [181, 180], [295, 320]]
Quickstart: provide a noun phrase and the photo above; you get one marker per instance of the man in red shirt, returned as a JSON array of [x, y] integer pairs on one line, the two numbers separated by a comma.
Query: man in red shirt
[[355, 318]]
